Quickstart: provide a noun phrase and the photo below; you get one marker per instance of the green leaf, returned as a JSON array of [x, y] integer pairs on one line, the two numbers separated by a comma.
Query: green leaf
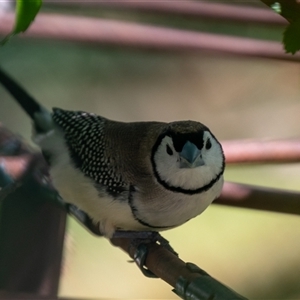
[[291, 37], [26, 10]]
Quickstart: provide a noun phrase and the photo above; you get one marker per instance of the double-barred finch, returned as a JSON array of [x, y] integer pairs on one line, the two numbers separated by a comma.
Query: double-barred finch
[[141, 176]]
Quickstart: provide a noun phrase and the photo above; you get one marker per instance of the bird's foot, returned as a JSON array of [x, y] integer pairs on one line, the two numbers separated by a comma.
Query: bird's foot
[[145, 237], [140, 239]]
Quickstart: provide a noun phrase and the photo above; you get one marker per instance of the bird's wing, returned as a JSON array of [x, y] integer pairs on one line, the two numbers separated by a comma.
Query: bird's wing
[[85, 137]]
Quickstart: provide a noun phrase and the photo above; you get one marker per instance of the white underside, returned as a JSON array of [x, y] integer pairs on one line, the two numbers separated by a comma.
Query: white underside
[[171, 209]]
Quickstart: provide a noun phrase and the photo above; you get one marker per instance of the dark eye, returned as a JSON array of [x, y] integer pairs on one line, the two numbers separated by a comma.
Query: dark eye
[[169, 150], [208, 144]]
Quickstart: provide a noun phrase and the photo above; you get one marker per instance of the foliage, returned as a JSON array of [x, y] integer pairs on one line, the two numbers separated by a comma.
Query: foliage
[[290, 10], [291, 37], [25, 14]]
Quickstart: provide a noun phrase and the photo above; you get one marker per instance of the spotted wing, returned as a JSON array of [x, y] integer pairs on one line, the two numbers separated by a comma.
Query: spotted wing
[[86, 141]]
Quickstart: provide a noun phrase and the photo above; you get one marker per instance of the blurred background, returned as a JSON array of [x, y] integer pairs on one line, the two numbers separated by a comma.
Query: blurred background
[[238, 97]]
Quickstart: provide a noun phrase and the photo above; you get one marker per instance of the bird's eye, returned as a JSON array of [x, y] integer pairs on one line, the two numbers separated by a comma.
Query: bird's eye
[[208, 144], [169, 150]]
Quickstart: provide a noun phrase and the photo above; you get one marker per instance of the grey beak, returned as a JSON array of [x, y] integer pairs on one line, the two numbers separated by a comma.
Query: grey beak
[[190, 156]]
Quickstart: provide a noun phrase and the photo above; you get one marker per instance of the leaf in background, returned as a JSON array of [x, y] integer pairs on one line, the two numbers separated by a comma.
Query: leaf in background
[[26, 10], [291, 37]]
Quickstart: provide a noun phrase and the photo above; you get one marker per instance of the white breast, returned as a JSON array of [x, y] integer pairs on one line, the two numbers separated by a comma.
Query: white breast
[[172, 209]]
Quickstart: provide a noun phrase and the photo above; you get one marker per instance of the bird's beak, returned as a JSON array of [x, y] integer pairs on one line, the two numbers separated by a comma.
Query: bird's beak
[[190, 156]]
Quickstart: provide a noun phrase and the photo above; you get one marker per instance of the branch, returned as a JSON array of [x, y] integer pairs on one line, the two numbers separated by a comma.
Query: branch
[[126, 34], [185, 8], [188, 280], [262, 198], [262, 151]]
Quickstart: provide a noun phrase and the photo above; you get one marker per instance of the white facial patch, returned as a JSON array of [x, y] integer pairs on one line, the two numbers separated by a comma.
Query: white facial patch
[[168, 166]]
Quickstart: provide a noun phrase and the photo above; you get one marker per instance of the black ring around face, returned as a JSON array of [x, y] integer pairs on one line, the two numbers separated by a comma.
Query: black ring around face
[[179, 189]]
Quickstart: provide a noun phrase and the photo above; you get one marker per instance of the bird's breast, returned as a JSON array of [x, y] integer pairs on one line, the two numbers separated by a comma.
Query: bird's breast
[[162, 208]]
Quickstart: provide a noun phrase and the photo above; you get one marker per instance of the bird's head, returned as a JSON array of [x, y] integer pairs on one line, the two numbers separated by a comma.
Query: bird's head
[[187, 158]]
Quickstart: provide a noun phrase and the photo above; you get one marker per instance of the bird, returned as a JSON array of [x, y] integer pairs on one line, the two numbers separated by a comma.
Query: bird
[[135, 176]]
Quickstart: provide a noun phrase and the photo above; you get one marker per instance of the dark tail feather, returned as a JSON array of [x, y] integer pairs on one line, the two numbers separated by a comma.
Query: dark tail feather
[[30, 105]]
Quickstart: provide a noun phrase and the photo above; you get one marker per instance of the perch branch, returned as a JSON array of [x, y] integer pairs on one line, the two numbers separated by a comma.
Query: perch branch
[[188, 281], [126, 34]]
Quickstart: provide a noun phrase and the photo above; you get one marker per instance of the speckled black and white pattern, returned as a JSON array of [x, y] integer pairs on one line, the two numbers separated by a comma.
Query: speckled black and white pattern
[[85, 138]]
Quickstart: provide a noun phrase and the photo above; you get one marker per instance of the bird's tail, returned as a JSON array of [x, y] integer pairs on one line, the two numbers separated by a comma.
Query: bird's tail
[[41, 116]]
